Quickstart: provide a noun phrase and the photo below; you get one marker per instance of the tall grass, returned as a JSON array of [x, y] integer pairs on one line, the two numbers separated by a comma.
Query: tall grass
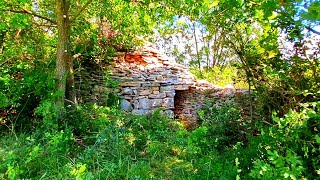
[[120, 146]]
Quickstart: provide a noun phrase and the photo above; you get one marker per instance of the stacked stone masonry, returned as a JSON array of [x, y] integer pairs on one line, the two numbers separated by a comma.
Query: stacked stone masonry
[[148, 80]]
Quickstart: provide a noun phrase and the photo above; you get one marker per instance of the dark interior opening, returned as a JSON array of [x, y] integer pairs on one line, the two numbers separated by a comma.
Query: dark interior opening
[[179, 100], [185, 105]]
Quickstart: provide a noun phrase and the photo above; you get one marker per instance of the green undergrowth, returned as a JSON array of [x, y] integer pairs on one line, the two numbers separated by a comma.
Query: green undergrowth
[[94, 142]]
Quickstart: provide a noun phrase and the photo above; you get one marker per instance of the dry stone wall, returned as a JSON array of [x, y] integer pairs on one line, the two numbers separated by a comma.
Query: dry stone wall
[[148, 80], [91, 83]]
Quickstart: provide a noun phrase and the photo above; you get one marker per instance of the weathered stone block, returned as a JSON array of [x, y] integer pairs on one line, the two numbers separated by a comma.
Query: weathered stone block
[[155, 84], [139, 97], [155, 88], [131, 84], [127, 97], [155, 92], [168, 113], [136, 104], [145, 92], [125, 105], [168, 103], [135, 92], [181, 87], [144, 103], [139, 112], [166, 88], [170, 94], [150, 59], [160, 78], [173, 76], [155, 103], [146, 84], [153, 76], [126, 91], [157, 96]]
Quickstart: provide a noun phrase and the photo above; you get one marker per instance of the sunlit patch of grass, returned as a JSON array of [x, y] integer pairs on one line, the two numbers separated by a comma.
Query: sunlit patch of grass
[[179, 167], [222, 76]]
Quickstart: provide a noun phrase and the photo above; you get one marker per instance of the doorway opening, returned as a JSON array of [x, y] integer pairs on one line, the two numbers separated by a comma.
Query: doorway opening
[[184, 109]]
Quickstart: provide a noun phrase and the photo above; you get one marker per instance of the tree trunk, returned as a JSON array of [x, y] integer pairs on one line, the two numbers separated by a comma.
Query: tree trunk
[[214, 50], [64, 65], [205, 40], [197, 49]]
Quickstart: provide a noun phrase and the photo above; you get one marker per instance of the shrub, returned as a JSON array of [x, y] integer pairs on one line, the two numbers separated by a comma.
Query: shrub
[[224, 123], [290, 147]]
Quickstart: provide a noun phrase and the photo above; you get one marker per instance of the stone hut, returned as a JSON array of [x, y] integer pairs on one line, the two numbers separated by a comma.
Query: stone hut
[[148, 80]]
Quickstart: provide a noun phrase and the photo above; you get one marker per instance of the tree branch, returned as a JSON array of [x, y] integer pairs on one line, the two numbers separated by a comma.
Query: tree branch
[[80, 11], [24, 11], [312, 30]]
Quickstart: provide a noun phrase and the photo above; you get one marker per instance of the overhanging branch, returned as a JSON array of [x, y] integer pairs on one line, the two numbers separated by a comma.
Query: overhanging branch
[[312, 30], [24, 11]]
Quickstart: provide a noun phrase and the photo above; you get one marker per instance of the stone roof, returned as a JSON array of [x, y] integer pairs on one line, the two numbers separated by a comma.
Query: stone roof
[[148, 67]]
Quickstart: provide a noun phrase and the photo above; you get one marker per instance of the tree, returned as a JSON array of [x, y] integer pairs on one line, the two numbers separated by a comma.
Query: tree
[[61, 19], [64, 65]]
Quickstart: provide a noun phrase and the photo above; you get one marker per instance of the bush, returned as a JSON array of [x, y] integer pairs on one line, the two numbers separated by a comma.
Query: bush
[[29, 157], [224, 122], [290, 148]]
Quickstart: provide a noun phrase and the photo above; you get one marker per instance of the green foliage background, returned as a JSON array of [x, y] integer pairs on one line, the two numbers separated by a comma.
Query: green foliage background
[[85, 141]]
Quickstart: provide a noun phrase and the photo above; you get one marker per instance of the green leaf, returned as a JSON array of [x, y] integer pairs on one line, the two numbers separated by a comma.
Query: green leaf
[[317, 138], [4, 101], [211, 3], [313, 13]]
